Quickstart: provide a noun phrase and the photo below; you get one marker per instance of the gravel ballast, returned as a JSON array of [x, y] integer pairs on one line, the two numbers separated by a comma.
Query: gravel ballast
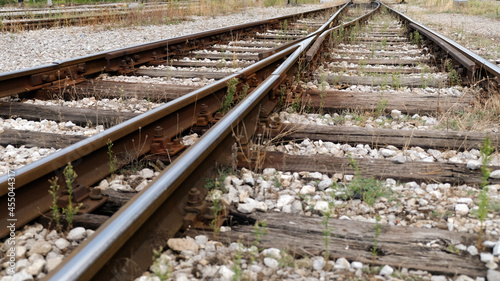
[[40, 47]]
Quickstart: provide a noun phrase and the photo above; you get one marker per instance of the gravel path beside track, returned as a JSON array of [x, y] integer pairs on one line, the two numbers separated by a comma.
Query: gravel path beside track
[[39, 47], [480, 34]]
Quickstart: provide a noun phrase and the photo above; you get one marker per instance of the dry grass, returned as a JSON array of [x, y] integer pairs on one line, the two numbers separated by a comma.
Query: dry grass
[[486, 8], [170, 13]]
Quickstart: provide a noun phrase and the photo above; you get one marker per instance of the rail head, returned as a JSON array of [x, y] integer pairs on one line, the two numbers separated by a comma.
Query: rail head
[[481, 63], [22, 81], [313, 50], [87, 260]]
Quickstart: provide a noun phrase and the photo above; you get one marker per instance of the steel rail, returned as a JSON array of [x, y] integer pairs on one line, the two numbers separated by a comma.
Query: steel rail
[[128, 225], [482, 63], [22, 81], [326, 25], [319, 42], [123, 227], [39, 13], [130, 138], [75, 18], [61, 9], [35, 176]]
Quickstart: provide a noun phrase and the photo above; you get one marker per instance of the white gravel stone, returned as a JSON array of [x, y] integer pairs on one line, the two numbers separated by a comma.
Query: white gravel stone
[[495, 174], [307, 189], [386, 270], [271, 263], [226, 273], [201, 240], [141, 185], [296, 207], [251, 205], [395, 114], [147, 173], [318, 263], [76, 234], [342, 263], [284, 200], [486, 257], [61, 243], [272, 253], [249, 180], [464, 278], [36, 267], [40, 247], [472, 250], [473, 164], [461, 209], [357, 265], [20, 252], [183, 244], [321, 206], [496, 249], [52, 263], [324, 184], [493, 275], [22, 275]]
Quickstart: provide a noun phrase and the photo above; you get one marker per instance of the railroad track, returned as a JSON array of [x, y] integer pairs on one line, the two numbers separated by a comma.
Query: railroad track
[[288, 161], [32, 19]]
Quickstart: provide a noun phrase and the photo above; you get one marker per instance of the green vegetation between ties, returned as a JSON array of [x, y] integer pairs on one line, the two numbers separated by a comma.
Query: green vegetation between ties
[[327, 230], [216, 208], [415, 38], [112, 158], [161, 265], [377, 229], [70, 176], [56, 214], [381, 106], [368, 190], [454, 77], [483, 200], [237, 268], [231, 93]]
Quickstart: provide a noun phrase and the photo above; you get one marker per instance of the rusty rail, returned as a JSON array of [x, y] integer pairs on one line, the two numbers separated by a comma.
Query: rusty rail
[[149, 219], [123, 60], [487, 68], [89, 155], [122, 248], [316, 47], [131, 138]]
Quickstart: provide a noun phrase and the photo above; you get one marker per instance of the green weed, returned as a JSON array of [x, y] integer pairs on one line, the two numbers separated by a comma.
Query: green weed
[[378, 229], [56, 214], [369, 190], [415, 38], [112, 158], [231, 92], [161, 265], [482, 212], [327, 230], [454, 77], [70, 176], [237, 268], [217, 207], [381, 106]]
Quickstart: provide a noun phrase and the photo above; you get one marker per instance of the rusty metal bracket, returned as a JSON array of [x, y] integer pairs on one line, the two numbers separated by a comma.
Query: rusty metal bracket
[[72, 72], [199, 213], [164, 146], [87, 198]]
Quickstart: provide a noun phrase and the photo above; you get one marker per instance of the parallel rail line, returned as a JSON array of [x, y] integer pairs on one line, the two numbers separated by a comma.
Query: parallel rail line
[[156, 214]]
